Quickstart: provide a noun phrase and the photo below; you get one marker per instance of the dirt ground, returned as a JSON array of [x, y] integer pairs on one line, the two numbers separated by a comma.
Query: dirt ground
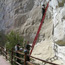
[[3, 61]]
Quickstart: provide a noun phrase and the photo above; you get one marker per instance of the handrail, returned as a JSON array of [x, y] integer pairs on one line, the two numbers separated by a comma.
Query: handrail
[[22, 59], [43, 60], [38, 31], [16, 62], [4, 52], [18, 52], [29, 63], [19, 58]]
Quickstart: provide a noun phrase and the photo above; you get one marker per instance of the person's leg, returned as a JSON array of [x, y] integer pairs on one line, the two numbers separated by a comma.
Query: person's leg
[[28, 58], [16, 58], [42, 12]]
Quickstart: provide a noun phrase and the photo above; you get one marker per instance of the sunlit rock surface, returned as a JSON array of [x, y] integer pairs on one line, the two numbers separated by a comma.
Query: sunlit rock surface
[[59, 25]]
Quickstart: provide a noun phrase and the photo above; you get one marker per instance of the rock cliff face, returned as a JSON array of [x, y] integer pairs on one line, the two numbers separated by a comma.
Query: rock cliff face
[[2, 14], [24, 16], [59, 26], [14, 13]]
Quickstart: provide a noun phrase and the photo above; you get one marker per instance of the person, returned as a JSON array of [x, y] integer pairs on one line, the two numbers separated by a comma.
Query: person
[[53, 30], [27, 50], [28, 47], [43, 10], [17, 48]]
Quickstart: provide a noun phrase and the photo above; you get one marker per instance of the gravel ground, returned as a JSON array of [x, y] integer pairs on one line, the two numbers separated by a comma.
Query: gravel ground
[[3, 61]]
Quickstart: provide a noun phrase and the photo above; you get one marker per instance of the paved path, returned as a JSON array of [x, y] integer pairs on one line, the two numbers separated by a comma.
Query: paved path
[[3, 61]]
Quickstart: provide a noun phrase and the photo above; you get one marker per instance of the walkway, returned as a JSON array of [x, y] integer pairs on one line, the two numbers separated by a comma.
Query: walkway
[[3, 61]]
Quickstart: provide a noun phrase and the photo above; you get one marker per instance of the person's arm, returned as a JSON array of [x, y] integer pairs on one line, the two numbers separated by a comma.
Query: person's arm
[[15, 48]]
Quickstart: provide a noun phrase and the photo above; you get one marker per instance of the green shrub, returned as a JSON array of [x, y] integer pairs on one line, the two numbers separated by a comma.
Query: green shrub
[[12, 39]]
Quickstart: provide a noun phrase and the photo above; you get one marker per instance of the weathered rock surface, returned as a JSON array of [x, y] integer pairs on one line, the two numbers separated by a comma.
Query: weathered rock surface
[[14, 12], [24, 16], [44, 50], [2, 14], [59, 26]]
